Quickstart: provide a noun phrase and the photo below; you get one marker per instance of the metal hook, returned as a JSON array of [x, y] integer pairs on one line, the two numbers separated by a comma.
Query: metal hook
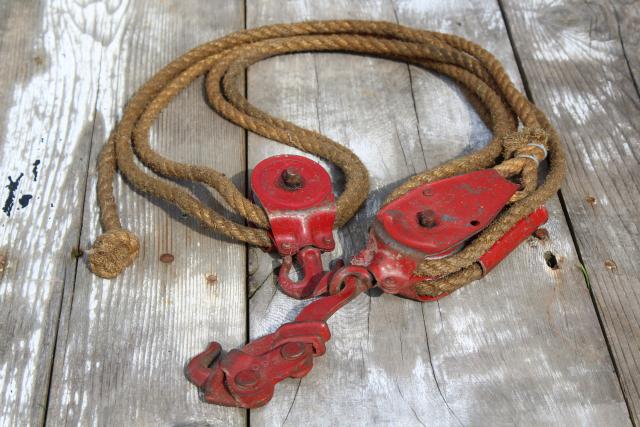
[[314, 281], [246, 377]]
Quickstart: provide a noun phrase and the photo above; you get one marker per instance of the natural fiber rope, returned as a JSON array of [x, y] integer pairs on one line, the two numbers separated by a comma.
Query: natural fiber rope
[[225, 60]]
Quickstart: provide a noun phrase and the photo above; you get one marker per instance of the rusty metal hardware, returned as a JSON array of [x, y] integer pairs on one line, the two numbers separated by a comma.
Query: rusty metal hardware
[[297, 195], [432, 221], [315, 280], [392, 265], [436, 220], [247, 377]]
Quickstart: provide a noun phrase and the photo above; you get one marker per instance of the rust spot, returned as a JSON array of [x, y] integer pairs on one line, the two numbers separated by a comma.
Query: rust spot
[[167, 258], [541, 234], [591, 200], [76, 252], [212, 279], [611, 265]]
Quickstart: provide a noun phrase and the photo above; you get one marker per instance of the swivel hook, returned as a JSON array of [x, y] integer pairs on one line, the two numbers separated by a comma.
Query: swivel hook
[[314, 281]]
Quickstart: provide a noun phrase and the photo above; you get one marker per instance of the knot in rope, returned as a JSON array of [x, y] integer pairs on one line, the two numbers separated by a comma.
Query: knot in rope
[[112, 252], [523, 151]]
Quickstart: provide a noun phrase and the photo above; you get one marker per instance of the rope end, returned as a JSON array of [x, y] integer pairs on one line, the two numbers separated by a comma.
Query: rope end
[[112, 252]]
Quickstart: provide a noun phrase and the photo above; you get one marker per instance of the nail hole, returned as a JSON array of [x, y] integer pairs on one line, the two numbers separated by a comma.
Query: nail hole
[[541, 234], [611, 265], [167, 258], [474, 222], [76, 252], [551, 260]]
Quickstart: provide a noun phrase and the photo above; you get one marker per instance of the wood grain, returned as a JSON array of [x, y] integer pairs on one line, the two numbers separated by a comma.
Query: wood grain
[[523, 346], [577, 57], [627, 20], [47, 97], [123, 343]]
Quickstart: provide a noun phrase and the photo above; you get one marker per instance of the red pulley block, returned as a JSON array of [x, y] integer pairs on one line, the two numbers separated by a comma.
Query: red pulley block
[[435, 220], [297, 195]]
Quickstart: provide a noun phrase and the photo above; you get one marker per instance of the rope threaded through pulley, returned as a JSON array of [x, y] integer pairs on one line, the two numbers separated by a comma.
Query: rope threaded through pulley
[[513, 152]]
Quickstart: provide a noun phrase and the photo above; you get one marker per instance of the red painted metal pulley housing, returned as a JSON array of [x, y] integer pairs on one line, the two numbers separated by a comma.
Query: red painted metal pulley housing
[[297, 195], [436, 220]]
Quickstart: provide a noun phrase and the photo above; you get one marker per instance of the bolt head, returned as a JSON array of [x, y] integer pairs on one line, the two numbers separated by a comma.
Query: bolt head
[[246, 379], [291, 178], [292, 350], [427, 218]]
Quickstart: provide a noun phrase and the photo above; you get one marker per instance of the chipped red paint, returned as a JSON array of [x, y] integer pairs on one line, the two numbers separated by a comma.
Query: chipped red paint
[[512, 239], [297, 196], [461, 207]]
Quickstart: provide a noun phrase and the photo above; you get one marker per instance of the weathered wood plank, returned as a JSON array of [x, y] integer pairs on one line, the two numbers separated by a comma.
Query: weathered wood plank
[[47, 97], [627, 17], [576, 57], [523, 346], [123, 344]]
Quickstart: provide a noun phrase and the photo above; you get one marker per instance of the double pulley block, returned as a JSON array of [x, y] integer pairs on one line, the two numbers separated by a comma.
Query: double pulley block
[[432, 221]]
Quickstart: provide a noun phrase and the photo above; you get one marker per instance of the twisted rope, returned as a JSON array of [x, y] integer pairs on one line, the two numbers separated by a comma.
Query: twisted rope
[[225, 60]]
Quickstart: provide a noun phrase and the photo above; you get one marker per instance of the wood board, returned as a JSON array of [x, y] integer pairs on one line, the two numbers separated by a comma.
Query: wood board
[[521, 347], [578, 59], [123, 343], [495, 352]]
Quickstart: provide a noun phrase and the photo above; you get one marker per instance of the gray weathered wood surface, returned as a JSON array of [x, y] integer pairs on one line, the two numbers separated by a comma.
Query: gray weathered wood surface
[[393, 361], [578, 59], [48, 91], [523, 346], [122, 344]]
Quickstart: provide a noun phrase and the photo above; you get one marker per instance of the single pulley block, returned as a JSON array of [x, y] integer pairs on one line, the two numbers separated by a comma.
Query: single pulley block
[[436, 220], [297, 196]]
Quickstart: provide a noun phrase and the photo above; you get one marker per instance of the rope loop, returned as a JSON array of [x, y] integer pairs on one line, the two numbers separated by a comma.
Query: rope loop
[[490, 91], [519, 150]]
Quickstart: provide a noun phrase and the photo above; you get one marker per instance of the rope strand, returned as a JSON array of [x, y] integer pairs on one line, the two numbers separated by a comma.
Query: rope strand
[[225, 61]]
